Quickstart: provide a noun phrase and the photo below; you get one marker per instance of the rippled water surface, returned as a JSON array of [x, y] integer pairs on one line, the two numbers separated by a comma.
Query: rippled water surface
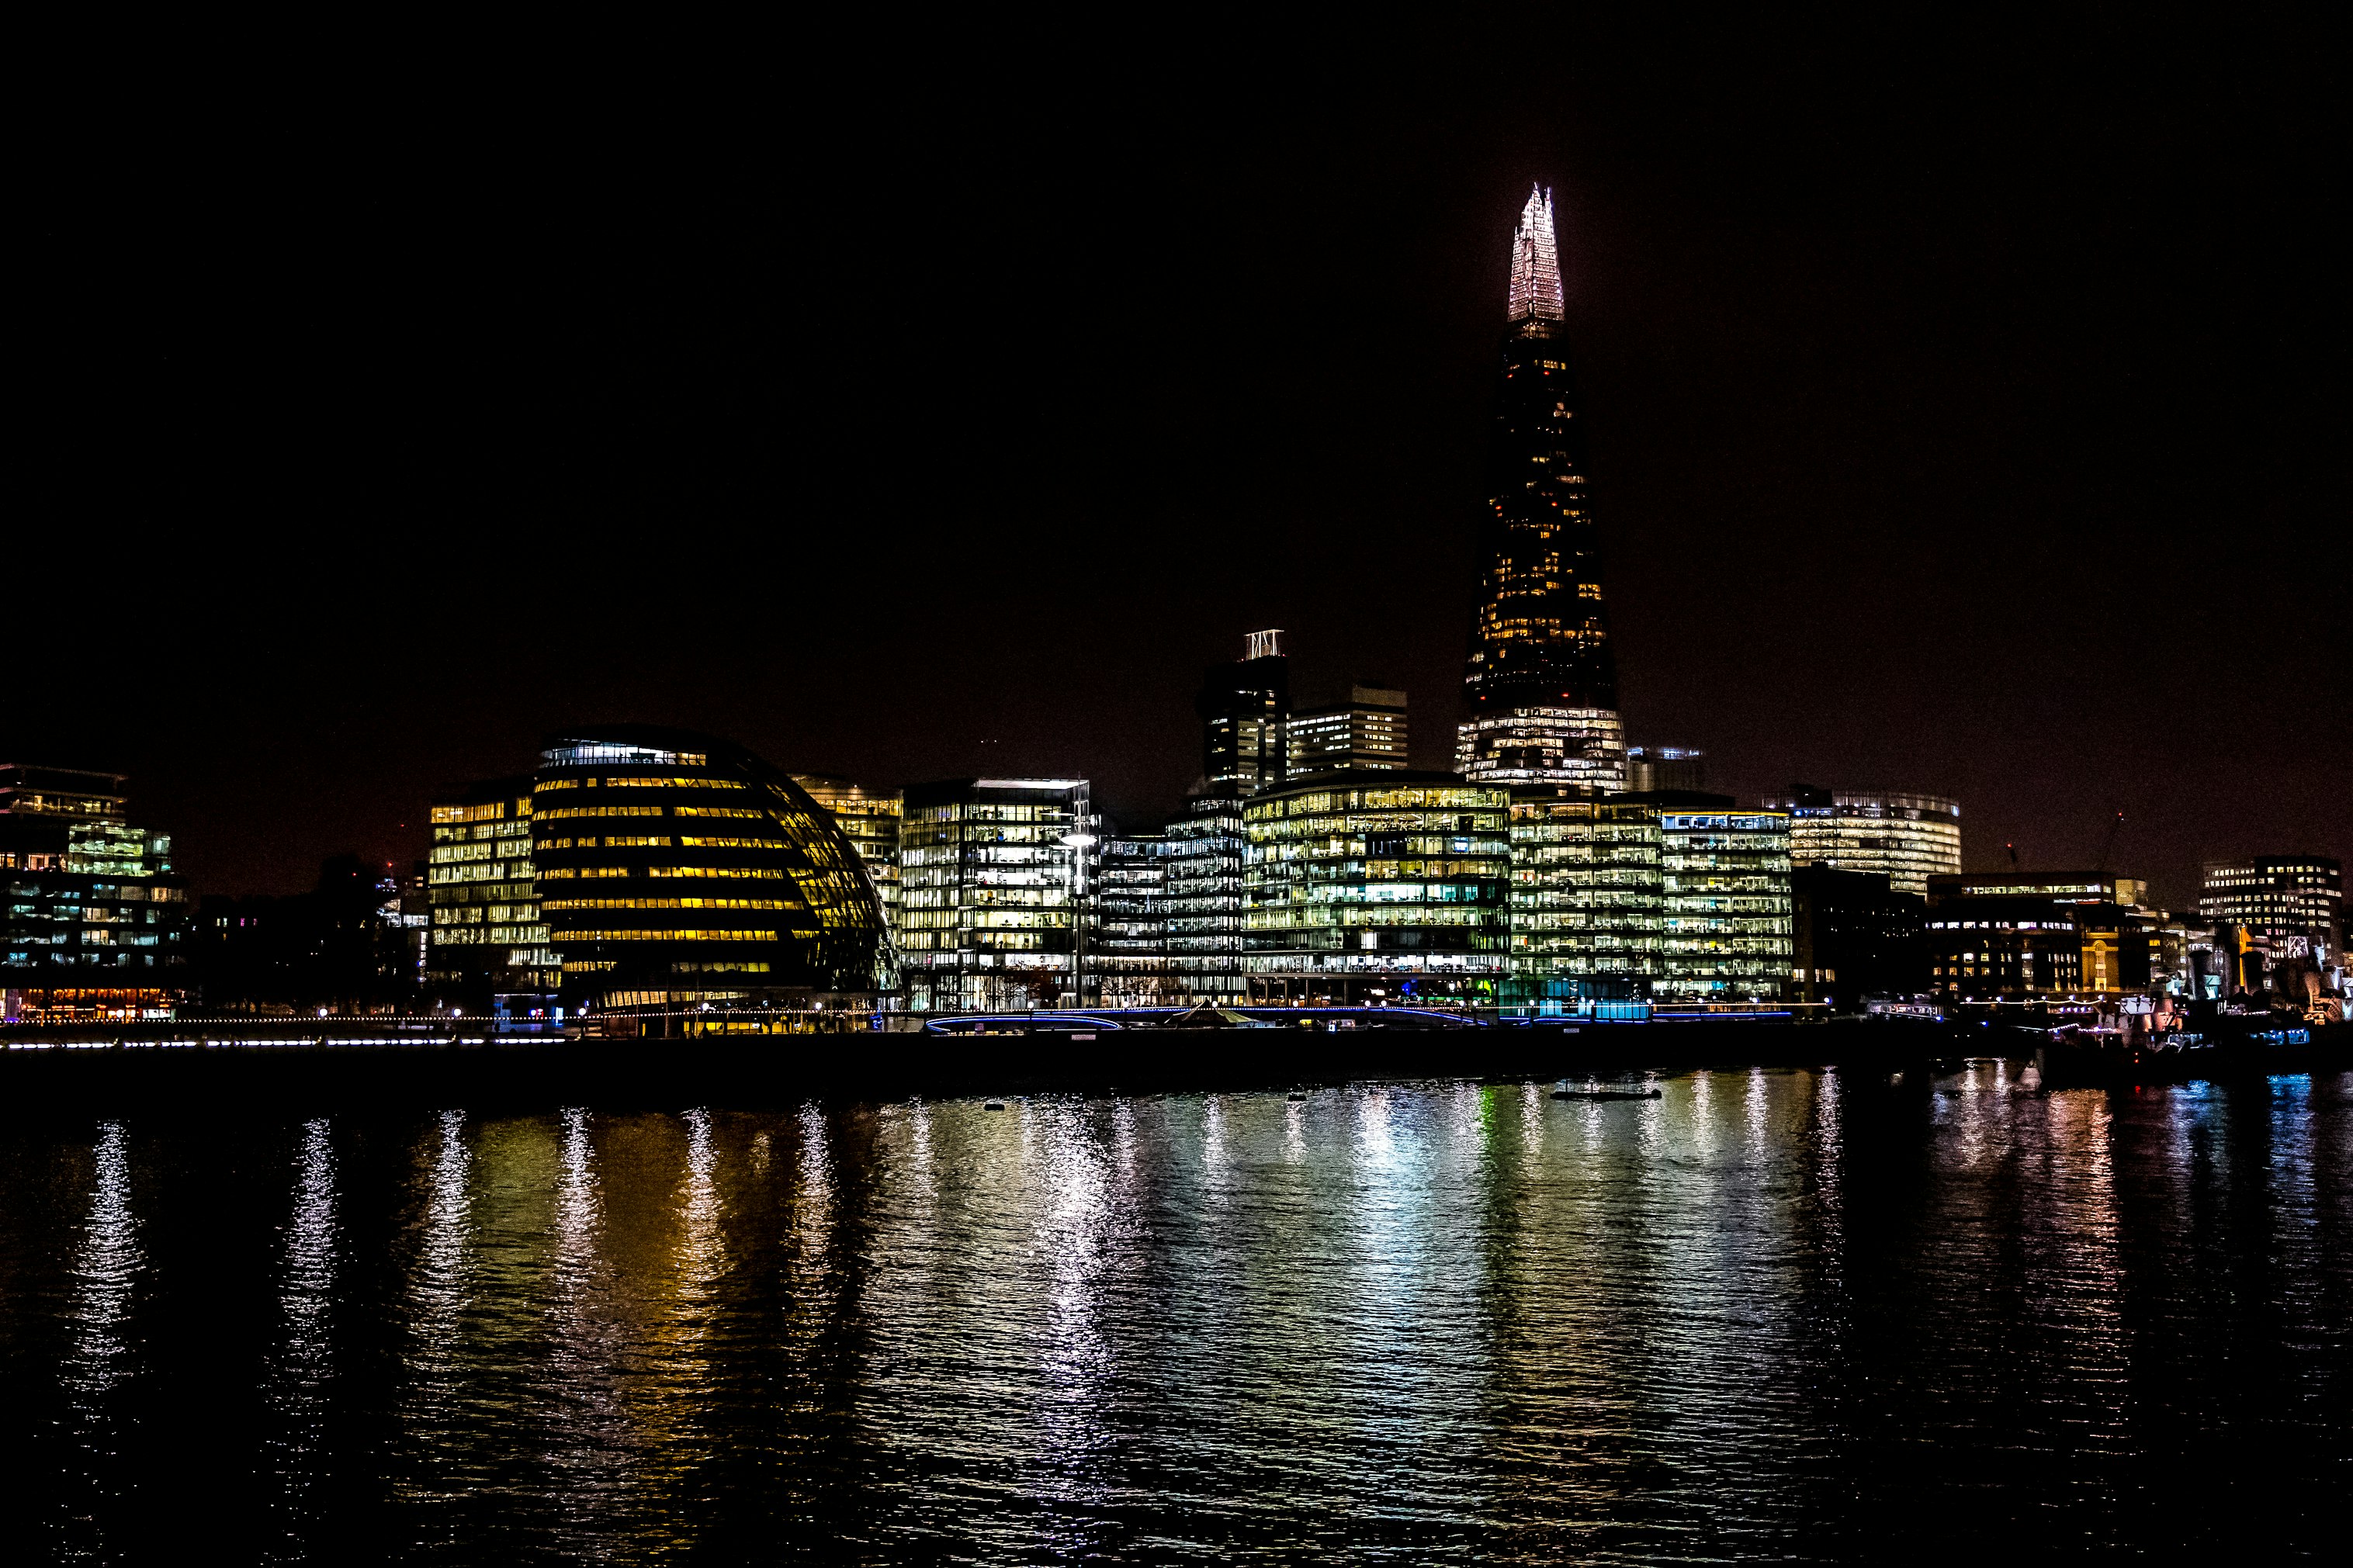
[[1770, 1315]]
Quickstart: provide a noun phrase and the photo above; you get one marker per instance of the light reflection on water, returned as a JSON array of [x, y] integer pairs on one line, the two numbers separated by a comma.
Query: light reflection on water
[[1769, 1315]]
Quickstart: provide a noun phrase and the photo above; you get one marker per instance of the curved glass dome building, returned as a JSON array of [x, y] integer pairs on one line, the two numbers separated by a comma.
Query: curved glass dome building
[[677, 868]]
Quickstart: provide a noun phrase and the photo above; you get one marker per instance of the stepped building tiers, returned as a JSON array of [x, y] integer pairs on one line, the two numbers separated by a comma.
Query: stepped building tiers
[[1540, 693]]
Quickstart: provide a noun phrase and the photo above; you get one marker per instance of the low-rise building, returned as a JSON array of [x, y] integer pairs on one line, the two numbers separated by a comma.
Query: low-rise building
[[96, 921]]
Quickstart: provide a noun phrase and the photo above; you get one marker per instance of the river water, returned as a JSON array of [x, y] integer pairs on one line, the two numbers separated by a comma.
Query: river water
[[1770, 1315]]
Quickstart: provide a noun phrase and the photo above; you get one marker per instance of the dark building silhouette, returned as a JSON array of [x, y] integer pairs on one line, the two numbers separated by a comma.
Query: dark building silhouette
[[1541, 688], [1853, 936], [348, 945], [1245, 709]]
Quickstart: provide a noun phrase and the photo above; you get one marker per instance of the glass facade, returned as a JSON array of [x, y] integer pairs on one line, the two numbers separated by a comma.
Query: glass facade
[[1541, 688], [1124, 959], [1368, 730], [1201, 900], [992, 876], [1376, 887], [96, 921], [1725, 905], [675, 869], [870, 818], [487, 938], [1586, 901], [1902, 835]]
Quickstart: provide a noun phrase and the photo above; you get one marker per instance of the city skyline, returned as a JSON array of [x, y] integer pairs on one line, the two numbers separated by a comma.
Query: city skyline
[[1887, 473]]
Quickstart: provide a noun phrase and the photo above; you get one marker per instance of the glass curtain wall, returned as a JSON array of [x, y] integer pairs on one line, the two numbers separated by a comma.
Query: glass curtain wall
[[1201, 900], [1725, 894], [1586, 901], [991, 876], [1377, 888]]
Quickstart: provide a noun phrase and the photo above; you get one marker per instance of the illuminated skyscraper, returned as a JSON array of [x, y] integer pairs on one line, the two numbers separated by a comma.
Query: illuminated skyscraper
[[1245, 709], [1541, 690]]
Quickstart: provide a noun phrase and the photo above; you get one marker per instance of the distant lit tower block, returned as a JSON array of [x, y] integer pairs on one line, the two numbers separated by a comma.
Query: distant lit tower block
[[1368, 730], [1541, 690], [870, 818], [2295, 904], [1586, 901], [1245, 709], [1905, 836]]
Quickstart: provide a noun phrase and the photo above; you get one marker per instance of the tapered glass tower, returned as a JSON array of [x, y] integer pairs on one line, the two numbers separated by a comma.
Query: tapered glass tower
[[1540, 694]]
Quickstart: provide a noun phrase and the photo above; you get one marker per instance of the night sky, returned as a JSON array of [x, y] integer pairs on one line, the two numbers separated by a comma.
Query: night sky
[[1976, 427]]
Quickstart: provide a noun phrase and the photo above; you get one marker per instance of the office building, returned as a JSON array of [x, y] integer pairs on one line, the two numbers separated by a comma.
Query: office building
[[2065, 886], [992, 874], [1540, 692], [676, 869], [487, 938], [1376, 887], [96, 923], [871, 819], [1201, 900], [1245, 710], [1586, 901], [1368, 730], [1724, 921], [2292, 905], [1853, 937], [1988, 947], [1123, 960], [1650, 769], [1904, 836]]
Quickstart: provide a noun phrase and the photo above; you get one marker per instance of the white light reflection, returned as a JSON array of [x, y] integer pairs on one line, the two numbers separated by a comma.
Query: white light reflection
[[813, 1206], [440, 1284], [310, 1278], [296, 1389], [105, 1269]]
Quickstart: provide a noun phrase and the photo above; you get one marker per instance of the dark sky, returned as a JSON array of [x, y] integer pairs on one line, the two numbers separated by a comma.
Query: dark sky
[[1966, 415]]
